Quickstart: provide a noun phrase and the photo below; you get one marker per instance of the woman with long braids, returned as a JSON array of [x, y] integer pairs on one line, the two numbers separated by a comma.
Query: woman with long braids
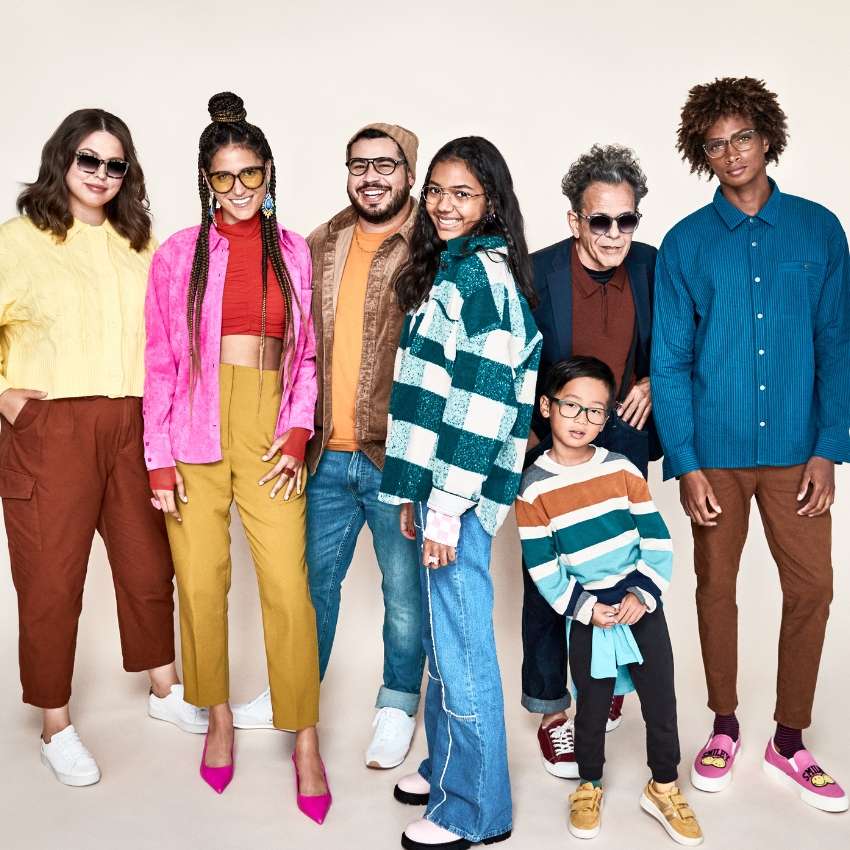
[[460, 413], [73, 269], [231, 384]]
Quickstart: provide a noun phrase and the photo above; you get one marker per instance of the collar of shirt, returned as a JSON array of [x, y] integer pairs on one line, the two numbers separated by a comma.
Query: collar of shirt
[[80, 226], [586, 285], [732, 216]]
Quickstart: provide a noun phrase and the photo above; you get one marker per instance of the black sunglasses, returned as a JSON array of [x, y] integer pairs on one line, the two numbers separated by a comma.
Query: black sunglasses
[[601, 224], [115, 168]]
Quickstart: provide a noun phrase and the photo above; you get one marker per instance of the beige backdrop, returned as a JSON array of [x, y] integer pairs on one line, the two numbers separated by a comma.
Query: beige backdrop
[[543, 81]]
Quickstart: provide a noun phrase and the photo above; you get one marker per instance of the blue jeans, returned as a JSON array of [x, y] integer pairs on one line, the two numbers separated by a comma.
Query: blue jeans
[[467, 764], [341, 497]]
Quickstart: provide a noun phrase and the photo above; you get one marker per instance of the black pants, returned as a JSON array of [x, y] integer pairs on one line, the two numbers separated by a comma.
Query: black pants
[[653, 681]]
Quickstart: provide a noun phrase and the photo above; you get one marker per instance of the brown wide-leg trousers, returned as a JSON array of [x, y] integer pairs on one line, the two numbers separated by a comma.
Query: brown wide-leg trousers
[[69, 467], [801, 547]]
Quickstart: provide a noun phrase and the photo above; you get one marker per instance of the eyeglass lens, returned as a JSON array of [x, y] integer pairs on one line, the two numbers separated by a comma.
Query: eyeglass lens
[[250, 178], [601, 224], [383, 165], [115, 168]]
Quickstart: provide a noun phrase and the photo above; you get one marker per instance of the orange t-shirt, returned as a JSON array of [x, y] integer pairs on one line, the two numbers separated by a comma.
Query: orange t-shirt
[[348, 338]]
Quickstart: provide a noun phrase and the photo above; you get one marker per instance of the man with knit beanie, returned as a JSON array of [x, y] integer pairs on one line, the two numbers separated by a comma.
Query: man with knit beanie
[[358, 325]]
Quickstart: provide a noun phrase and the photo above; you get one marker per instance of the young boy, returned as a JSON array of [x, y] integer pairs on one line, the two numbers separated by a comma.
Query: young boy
[[600, 554]]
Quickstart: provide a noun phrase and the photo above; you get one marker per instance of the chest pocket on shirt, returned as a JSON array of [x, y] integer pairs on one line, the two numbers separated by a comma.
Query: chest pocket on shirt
[[800, 283]]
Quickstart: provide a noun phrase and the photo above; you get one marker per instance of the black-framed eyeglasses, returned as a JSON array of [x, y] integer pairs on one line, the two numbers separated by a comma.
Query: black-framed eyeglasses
[[743, 140], [251, 178], [571, 409], [458, 198], [90, 164], [601, 224], [358, 165]]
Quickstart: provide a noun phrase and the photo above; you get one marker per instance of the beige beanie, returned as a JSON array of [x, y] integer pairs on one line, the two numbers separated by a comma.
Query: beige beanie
[[407, 141]]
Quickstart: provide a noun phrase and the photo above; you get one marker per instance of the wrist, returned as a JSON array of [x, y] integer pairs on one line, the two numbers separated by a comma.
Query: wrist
[[442, 528]]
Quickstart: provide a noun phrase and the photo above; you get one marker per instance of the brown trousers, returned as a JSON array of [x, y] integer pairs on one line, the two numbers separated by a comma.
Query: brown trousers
[[69, 467], [801, 547]]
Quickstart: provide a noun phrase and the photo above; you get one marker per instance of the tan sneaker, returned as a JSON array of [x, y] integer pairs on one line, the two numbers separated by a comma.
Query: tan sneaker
[[585, 818], [672, 811]]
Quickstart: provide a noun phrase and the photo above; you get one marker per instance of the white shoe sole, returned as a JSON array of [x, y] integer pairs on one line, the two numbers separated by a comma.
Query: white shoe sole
[[647, 805], [563, 770], [376, 765], [587, 833], [825, 804], [705, 783], [65, 779], [159, 714], [611, 725], [257, 724]]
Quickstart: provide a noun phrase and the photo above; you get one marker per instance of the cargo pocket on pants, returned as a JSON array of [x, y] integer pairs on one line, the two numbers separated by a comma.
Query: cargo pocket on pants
[[20, 509]]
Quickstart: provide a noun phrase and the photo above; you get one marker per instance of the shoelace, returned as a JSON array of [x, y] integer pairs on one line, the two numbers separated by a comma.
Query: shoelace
[[562, 739], [389, 726], [72, 748]]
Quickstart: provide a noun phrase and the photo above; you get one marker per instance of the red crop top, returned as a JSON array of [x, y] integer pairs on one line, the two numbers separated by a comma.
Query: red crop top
[[242, 305]]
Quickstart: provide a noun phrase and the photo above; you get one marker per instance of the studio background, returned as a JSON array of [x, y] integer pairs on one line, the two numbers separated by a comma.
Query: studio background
[[543, 81]]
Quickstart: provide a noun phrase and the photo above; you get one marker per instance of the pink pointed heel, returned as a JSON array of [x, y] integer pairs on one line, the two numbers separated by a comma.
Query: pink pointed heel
[[218, 778], [316, 808]]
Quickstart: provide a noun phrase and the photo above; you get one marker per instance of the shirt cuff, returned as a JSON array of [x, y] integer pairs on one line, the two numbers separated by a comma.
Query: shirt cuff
[[448, 503], [163, 479], [645, 597], [442, 528], [584, 609], [296, 443]]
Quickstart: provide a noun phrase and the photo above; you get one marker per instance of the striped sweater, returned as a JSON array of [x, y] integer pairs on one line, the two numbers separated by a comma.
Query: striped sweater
[[591, 533], [463, 389]]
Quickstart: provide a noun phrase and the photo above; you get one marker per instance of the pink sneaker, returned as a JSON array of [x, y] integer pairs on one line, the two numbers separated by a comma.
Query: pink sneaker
[[712, 768], [802, 773]]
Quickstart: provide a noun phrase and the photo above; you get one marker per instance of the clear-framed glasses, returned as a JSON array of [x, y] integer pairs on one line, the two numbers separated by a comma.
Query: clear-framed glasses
[[601, 224], [358, 166], [251, 178], [570, 409], [90, 164], [743, 140], [458, 198]]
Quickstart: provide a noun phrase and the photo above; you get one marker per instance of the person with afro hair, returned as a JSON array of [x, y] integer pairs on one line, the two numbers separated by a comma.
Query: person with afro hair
[[750, 371]]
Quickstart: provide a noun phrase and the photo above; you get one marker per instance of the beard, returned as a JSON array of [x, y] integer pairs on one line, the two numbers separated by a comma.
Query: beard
[[398, 198]]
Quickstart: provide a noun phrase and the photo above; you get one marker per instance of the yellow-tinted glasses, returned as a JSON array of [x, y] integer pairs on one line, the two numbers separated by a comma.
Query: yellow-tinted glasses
[[251, 178]]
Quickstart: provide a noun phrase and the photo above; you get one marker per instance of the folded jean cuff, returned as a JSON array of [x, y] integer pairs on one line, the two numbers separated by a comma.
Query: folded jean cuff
[[408, 703], [546, 706]]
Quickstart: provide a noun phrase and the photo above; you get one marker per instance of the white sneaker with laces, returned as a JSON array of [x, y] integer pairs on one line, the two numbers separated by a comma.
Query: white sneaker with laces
[[172, 708], [256, 714], [392, 738], [70, 761]]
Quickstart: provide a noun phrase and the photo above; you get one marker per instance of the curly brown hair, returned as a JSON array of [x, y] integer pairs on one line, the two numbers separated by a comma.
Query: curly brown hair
[[745, 96]]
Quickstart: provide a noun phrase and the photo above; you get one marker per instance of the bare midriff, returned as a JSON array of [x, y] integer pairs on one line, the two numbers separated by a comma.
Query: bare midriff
[[244, 350]]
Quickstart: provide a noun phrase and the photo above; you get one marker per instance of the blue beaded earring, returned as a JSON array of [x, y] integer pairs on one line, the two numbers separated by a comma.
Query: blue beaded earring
[[268, 204]]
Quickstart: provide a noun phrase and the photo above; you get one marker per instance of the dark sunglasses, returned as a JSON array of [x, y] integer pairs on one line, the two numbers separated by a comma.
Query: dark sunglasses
[[115, 168], [251, 178], [601, 224]]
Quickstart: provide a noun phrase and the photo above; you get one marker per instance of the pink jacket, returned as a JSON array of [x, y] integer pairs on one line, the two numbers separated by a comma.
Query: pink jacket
[[172, 432]]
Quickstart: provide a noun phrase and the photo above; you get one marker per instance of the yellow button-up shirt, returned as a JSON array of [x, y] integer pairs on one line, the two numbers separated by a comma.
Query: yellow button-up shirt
[[72, 312]]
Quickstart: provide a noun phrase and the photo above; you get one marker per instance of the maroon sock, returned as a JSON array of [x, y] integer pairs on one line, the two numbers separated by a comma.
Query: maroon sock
[[788, 741], [727, 724]]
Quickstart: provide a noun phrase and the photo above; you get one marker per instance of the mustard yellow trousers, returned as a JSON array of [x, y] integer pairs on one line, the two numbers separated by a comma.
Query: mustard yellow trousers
[[275, 528]]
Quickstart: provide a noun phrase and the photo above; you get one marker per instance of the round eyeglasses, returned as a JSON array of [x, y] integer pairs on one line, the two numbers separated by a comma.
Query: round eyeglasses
[[251, 178], [458, 198], [743, 140], [570, 409], [600, 224]]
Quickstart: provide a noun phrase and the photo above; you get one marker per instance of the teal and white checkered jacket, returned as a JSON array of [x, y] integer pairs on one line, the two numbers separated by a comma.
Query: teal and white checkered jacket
[[463, 388]]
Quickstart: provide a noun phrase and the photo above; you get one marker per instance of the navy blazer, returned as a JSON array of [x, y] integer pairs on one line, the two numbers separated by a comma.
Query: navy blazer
[[553, 281]]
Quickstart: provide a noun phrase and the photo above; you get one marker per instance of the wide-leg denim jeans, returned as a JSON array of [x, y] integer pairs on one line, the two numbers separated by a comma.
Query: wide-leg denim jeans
[[467, 764], [341, 497]]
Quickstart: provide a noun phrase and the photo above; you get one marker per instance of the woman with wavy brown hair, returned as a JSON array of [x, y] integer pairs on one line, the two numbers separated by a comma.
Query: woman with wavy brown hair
[[230, 395], [73, 268]]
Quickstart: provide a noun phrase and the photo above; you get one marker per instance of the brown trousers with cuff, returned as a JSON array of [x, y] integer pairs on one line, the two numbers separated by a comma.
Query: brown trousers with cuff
[[69, 467], [802, 549]]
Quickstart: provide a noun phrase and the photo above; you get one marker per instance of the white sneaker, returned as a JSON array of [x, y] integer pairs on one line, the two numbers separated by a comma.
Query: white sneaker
[[70, 761], [256, 714], [174, 709], [392, 738]]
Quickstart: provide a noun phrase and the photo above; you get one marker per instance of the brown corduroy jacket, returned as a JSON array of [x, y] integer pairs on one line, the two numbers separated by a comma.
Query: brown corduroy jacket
[[382, 321]]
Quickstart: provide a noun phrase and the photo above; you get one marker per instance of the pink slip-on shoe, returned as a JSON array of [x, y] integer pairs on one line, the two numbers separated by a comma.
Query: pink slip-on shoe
[[802, 773], [316, 808], [218, 778], [712, 768]]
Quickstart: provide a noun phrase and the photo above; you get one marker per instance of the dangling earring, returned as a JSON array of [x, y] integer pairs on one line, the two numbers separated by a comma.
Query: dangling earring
[[268, 204], [212, 210], [490, 217]]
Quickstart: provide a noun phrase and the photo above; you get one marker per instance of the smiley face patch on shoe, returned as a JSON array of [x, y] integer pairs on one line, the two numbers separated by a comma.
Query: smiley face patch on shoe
[[817, 776], [715, 758]]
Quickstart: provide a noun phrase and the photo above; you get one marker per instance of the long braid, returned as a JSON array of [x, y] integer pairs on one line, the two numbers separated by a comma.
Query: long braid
[[230, 127]]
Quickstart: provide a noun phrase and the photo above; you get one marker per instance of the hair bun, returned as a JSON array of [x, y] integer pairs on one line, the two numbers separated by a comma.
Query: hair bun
[[226, 108]]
